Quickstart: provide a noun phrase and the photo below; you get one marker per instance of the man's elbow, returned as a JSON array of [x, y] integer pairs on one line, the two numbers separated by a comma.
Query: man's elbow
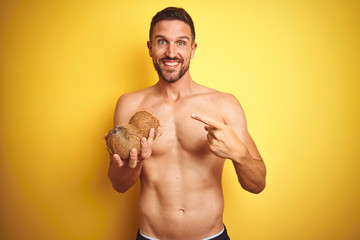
[[255, 188], [119, 188], [259, 188], [260, 183]]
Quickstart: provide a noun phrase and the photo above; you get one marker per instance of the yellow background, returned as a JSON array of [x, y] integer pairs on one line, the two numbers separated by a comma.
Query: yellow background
[[294, 66]]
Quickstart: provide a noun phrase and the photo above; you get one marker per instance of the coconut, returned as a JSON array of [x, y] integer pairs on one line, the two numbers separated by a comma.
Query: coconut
[[145, 121], [122, 138]]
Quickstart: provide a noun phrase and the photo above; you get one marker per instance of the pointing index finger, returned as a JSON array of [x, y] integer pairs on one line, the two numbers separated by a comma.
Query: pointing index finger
[[207, 120]]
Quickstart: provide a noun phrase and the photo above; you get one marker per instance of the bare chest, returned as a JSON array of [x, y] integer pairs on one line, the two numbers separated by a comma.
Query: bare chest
[[179, 133]]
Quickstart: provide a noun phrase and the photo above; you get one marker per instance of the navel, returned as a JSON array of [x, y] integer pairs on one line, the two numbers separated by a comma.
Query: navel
[[181, 210]]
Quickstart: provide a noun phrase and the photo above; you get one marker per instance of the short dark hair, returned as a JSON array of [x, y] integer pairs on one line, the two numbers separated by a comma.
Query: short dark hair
[[173, 13]]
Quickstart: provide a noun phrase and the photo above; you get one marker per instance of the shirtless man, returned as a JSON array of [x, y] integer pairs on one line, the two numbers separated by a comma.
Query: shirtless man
[[181, 195]]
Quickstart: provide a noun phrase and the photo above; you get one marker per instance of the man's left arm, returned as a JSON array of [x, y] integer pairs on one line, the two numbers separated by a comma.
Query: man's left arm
[[231, 140]]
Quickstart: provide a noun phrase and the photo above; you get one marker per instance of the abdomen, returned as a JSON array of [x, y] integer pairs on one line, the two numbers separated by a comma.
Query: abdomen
[[181, 198]]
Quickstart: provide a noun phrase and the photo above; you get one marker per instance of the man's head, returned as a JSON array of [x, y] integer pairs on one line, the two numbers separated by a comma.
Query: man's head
[[172, 13], [172, 43]]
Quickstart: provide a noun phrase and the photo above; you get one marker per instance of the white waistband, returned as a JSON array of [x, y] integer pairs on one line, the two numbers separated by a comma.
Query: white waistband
[[150, 238], [208, 238], [213, 236]]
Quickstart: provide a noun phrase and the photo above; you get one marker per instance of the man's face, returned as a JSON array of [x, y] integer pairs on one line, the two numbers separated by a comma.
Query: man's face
[[171, 49]]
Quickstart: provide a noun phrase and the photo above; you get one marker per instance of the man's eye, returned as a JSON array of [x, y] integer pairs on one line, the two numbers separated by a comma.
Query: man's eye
[[162, 42], [181, 43]]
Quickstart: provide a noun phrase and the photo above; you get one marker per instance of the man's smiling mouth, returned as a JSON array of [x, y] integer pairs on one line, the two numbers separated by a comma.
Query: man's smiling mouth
[[170, 63]]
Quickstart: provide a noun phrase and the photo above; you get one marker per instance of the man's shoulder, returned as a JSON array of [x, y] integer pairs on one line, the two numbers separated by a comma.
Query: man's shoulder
[[134, 98], [128, 104], [224, 101], [225, 104], [224, 96], [219, 96], [215, 93]]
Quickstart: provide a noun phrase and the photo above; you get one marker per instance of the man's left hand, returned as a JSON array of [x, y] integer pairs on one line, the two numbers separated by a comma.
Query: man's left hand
[[223, 141]]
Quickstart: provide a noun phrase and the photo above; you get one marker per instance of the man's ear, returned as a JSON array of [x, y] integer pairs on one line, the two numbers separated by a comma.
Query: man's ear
[[149, 47], [193, 48]]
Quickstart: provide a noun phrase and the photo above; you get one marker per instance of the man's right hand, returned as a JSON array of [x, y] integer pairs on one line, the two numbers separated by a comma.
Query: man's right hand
[[134, 157]]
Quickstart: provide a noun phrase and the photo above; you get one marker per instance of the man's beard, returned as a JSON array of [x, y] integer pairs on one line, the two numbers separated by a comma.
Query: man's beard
[[173, 78]]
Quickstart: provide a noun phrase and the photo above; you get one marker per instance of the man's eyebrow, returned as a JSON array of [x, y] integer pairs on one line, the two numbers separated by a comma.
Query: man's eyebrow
[[184, 37], [159, 36], [180, 37]]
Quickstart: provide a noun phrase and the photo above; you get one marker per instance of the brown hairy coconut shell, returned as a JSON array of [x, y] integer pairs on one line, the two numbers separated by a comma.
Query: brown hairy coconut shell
[[145, 121], [121, 139]]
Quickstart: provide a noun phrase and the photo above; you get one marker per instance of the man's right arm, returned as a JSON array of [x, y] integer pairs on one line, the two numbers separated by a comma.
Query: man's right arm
[[124, 174]]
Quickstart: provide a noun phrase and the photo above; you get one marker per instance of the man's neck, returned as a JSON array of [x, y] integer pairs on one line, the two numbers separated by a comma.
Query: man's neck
[[173, 92]]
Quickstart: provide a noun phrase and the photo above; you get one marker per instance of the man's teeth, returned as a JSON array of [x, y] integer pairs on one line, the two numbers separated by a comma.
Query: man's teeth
[[171, 63]]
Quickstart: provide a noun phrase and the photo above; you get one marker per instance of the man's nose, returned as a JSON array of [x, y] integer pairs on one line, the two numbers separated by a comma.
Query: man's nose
[[171, 51]]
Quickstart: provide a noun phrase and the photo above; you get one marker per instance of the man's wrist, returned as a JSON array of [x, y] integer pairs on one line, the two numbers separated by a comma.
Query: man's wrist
[[242, 157]]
